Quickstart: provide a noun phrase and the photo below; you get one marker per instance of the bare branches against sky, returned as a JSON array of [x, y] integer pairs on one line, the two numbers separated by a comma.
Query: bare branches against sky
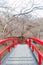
[[21, 7]]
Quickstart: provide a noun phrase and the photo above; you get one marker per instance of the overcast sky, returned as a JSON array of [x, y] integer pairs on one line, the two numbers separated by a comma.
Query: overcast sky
[[24, 5]]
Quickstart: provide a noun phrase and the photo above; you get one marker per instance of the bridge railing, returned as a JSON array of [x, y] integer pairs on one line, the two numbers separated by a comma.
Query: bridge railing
[[8, 47], [34, 48]]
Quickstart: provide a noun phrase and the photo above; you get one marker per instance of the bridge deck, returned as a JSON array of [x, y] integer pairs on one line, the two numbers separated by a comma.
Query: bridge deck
[[20, 55]]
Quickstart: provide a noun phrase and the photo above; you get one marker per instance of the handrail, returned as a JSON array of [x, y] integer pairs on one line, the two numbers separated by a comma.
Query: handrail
[[7, 48], [37, 40], [5, 40], [33, 47], [9, 39]]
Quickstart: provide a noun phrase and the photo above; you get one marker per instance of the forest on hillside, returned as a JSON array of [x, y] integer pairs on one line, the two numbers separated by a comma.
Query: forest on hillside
[[25, 20]]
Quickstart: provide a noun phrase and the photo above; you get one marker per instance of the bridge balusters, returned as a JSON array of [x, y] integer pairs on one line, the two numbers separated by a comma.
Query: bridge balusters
[[29, 42], [13, 44], [9, 49], [32, 48], [9, 46]]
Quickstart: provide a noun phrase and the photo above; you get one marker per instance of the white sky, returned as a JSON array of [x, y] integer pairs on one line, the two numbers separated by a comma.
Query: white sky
[[26, 4], [17, 5]]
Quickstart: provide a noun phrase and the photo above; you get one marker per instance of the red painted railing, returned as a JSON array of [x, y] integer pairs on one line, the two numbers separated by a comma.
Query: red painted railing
[[34, 48], [15, 41], [37, 40]]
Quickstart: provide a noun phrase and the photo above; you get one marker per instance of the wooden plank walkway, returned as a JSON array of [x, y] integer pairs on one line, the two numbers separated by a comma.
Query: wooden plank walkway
[[20, 55]]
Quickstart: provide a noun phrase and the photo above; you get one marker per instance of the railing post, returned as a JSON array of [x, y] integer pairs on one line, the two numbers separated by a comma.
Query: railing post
[[13, 44], [32, 48], [9, 49], [39, 59], [29, 42]]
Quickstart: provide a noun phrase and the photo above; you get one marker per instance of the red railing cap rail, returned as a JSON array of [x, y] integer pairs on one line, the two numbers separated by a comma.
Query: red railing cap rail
[[38, 50], [3, 50], [5, 40], [37, 40]]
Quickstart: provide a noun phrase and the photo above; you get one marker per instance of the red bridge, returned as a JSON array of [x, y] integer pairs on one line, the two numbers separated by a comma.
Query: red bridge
[[18, 53]]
